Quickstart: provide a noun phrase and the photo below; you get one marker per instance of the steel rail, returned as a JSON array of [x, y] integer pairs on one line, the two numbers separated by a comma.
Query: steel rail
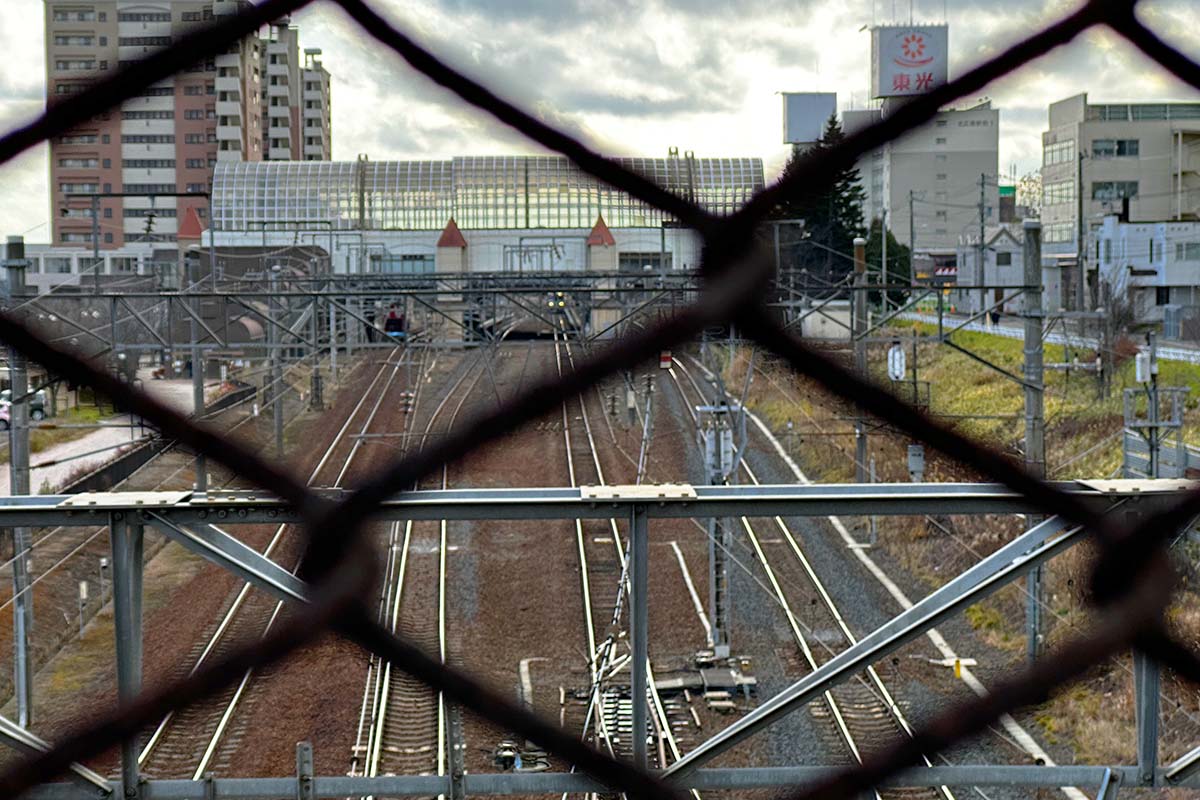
[[384, 696], [839, 719], [1130, 581], [389, 588], [244, 592], [659, 716]]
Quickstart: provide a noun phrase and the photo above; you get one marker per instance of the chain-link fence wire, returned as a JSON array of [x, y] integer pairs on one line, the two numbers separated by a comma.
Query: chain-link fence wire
[[1132, 579]]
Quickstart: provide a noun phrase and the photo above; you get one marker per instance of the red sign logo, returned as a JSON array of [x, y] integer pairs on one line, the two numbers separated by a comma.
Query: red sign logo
[[912, 51]]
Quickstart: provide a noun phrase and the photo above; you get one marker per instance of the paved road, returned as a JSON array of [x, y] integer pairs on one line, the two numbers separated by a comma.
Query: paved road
[[1011, 329], [105, 439], [174, 393]]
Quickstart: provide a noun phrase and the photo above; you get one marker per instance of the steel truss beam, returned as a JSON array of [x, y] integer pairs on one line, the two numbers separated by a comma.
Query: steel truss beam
[[215, 545], [23, 741], [668, 501], [1006, 565]]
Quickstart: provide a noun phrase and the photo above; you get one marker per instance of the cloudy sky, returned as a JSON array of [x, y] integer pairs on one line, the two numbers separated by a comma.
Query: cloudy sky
[[636, 77]]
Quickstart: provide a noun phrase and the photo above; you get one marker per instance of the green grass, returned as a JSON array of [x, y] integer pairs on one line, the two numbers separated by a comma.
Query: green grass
[[41, 439]]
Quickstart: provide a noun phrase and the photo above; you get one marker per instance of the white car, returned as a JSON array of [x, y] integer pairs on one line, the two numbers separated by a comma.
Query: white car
[[37, 405]]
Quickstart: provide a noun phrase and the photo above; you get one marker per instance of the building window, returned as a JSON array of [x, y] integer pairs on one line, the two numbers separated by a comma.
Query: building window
[[1114, 190], [77, 163], [193, 90], [105, 139], [940, 140], [148, 188], [75, 16], [144, 16], [74, 64], [108, 237], [107, 163], [104, 41], [1058, 193], [1058, 153], [75, 237], [1114, 148], [147, 115], [195, 163], [149, 212], [637, 262], [78, 188], [157, 91], [197, 187], [941, 176], [57, 266], [108, 213], [79, 138], [941, 123], [190, 16], [143, 41], [148, 163], [939, 214], [1059, 232], [76, 41], [1187, 251], [1003, 259], [193, 113], [1162, 295], [148, 138], [193, 138]]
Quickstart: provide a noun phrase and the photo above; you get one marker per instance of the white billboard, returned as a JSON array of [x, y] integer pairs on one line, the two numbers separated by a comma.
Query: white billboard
[[805, 115], [908, 60]]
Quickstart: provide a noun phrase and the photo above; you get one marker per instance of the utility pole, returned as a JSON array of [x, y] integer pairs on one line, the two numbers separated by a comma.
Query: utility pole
[[859, 334], [96, 242], [883, 276], [718, 464], [276, 366], [1035, 420], [1080, 240], [983, 304], [647, 429], [193, 279], [19, 485], [1155, 439]]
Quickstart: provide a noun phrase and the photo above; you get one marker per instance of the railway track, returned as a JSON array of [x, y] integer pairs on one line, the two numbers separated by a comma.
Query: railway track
[[608, 720], [73, 555], [862, 715], [403, 723], [191, 742]]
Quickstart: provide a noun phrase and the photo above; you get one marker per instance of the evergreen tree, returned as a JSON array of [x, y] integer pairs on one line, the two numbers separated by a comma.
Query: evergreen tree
[[832, 218]]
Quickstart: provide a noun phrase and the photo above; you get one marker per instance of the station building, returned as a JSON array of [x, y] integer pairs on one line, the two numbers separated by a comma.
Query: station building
[[465, 214]]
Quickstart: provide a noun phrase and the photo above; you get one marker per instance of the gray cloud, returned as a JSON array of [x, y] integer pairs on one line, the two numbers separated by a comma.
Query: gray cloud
[[630, 76]]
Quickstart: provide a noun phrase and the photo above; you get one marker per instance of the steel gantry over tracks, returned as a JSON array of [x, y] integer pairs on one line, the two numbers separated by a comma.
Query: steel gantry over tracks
[[201, 522]]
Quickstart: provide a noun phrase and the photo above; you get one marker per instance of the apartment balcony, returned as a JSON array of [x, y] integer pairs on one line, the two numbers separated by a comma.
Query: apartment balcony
[[278, 69], [229, 108], [314, 150], [314, 113], [279, 111], [280, 90], [280, 154], [229, 155], [229, 60], [226, 133], [228, 84]]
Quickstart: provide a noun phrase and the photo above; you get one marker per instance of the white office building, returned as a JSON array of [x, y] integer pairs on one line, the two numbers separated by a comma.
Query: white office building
[[937, 182]]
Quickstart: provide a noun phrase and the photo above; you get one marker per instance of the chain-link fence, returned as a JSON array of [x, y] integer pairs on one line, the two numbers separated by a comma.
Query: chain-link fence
[[1132, 580]]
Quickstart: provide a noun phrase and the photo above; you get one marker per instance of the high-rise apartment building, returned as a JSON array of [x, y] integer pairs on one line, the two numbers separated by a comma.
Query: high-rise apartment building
[[246, 104], [1143, 157]]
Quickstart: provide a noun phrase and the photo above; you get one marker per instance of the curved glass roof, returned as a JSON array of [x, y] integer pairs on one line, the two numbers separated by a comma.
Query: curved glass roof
[[477, 191]]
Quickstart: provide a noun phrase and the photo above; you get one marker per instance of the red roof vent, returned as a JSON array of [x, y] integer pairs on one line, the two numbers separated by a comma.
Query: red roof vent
[[451, 236], [600, 234]]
